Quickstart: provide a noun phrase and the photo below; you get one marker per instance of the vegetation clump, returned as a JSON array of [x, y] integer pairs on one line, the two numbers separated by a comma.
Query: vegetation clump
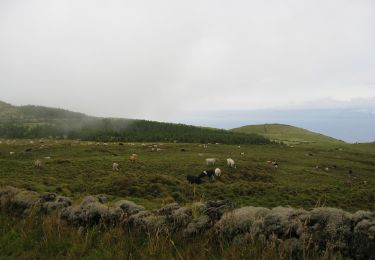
[[294, 231]]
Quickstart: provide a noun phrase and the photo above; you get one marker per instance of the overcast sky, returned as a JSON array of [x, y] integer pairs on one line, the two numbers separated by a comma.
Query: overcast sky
[[156, 59]]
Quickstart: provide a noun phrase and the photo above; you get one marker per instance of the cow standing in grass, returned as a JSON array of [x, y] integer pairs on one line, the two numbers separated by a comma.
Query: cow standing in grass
[[133, 158], [194, 179], [115, 167], [210, 161], [211, 173], [38, 164], [231, 163]]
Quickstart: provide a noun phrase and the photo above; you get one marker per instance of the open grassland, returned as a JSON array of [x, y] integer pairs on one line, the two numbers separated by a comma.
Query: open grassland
[[78, 168]]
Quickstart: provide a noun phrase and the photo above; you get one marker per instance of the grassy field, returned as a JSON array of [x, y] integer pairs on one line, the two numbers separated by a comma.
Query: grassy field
[[80, 168]]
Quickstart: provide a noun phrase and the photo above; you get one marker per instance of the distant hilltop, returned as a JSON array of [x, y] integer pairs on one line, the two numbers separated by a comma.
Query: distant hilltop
[[286, 133]]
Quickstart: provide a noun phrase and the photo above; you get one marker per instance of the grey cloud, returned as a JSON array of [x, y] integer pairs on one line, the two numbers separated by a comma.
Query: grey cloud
[[154, 59]]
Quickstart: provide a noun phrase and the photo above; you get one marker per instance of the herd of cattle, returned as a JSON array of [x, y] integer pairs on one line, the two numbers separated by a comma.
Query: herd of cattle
[[211, 173]]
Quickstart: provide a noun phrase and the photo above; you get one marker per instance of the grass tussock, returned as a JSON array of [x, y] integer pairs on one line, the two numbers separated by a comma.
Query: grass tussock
[[47, 237]]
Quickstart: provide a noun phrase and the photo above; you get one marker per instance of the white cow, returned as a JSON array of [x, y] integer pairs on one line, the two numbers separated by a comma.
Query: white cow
[[38, 164], [210, 161], [133, 158], [231, 163], [115, 167]]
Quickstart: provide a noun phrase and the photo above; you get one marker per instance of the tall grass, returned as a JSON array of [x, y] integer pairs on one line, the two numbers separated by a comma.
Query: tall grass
[[46, 237]]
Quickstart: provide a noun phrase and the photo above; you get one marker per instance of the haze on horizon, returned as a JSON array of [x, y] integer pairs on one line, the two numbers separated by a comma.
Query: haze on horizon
[[166, 60]]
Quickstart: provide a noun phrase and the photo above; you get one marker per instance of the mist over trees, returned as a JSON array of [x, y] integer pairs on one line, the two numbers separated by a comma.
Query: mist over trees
[[42, 122]]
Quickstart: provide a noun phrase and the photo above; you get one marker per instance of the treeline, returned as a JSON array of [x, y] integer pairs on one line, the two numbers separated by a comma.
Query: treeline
[[128, 131]]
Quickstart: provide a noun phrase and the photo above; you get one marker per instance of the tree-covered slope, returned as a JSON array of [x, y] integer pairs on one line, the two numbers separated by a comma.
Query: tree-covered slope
[[41, 122], [286, 133]]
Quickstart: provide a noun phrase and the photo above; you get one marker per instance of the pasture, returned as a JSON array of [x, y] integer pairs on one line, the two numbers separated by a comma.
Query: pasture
[[79, 168]]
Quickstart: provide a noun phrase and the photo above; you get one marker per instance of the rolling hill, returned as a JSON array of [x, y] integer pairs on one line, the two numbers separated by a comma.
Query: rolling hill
[[44, 122], [286, 133]]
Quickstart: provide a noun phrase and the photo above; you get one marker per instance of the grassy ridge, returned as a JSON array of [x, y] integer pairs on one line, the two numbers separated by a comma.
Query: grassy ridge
[[286, 133]]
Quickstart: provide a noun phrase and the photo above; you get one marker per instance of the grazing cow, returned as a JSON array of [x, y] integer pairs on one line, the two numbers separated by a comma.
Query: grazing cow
[[275, 164], [38, 164], [47, 158], [326, 169], [239, 147], [210, 161], [11, 153], [133, 158], [193, 179], [158, 149], [217, 172], [210, 173], [242, 153], [115, 167], [205, 146], [231, 163]]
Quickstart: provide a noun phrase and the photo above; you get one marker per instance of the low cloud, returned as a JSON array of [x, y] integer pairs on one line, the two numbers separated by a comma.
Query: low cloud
[[147, 59]]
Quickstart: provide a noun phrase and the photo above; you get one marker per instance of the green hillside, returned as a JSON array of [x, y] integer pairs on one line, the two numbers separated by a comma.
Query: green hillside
[[44, 122], [286, 133], [8, 112]]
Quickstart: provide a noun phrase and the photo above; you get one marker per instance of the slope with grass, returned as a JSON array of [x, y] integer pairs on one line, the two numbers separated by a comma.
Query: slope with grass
[[286, 133]]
